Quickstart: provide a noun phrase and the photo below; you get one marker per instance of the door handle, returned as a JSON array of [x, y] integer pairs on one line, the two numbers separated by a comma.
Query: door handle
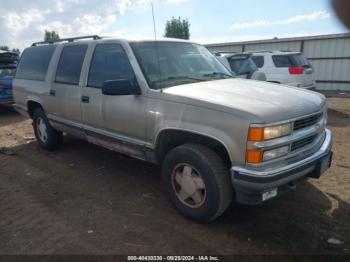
[[52, 92], [85, 99]]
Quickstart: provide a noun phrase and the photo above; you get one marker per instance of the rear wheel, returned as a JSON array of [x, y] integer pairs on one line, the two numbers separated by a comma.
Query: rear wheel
[[197, 182], [47, 137]]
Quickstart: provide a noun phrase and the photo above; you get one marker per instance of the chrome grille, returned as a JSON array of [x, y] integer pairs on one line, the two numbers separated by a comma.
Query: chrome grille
[[302, 143], [307, 121]]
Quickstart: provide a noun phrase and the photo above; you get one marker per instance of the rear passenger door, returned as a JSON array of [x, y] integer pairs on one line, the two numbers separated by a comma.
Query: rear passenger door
[[65, 91]]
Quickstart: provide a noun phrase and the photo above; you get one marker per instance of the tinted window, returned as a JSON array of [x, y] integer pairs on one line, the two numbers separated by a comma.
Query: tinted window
[[294, 60], [109, 63], [282, 61], [242, 65], [69, 66], [258, 60], [34, 62]]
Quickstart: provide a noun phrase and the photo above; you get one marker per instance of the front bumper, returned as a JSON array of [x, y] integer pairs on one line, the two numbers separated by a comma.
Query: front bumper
[[252, 185]]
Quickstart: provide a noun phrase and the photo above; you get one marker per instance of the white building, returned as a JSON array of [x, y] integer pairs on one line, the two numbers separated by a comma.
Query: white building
[[329, 55]]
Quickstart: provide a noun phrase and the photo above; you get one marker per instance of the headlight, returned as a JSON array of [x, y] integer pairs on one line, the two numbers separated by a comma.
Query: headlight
[[277, 131], [260, 134], [275, 153], [257, 134]]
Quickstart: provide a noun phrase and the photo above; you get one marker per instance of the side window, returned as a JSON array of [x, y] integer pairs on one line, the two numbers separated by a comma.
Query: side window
[[258, 60], [282, 61], [34, 62], [109, 62], [70, 64]]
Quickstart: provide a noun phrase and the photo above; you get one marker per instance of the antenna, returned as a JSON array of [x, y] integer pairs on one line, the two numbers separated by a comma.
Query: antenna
[[154, 23], [156, 43]]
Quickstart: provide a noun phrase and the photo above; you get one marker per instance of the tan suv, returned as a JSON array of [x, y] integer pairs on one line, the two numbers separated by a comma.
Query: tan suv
[[173, 103]]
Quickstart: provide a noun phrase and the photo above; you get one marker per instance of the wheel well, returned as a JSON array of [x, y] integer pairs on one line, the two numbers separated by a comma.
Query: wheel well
[[32, 106], [170, 139]]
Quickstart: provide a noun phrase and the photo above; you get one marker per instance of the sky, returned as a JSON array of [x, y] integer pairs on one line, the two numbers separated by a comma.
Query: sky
[[24, 22]]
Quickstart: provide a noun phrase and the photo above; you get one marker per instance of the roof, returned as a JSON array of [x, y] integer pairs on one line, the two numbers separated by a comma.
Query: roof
[[92, 38]]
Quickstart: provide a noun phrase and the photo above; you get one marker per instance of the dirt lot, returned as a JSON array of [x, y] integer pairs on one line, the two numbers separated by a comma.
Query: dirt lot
[[83, 199]]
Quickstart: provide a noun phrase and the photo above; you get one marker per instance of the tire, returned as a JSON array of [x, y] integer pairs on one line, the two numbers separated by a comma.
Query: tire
[[52, 138], [205, 204]]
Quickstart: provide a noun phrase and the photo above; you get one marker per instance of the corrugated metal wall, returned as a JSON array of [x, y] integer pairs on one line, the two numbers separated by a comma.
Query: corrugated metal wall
[[330, 56]]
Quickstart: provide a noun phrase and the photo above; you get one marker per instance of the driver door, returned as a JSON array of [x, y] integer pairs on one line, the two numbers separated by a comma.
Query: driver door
[[112, 118]]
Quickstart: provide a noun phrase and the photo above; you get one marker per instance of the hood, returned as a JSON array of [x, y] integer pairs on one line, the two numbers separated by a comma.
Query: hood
[[266, 102]]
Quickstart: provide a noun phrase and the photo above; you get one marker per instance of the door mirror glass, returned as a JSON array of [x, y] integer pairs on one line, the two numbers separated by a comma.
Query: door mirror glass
[[120, 87]]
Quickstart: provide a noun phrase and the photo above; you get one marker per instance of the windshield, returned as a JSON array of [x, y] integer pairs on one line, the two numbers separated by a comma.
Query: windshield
[[7, 72], [167, 64]]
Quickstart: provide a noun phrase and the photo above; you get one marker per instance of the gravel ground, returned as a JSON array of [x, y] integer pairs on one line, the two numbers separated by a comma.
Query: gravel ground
[[83, 199]]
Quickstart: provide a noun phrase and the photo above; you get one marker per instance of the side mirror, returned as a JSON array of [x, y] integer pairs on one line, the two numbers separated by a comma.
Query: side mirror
[[120, 87]]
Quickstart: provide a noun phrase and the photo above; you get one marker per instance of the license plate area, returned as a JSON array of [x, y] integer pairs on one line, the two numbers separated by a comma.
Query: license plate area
[[269, 194]]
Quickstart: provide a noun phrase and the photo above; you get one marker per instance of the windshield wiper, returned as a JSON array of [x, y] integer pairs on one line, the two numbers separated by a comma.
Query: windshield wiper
[[184, 77], [217, 74], [171, 78]]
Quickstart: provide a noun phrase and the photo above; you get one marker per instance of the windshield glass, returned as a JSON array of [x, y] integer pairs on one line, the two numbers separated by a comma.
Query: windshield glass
[[7, 72], [167, 64]]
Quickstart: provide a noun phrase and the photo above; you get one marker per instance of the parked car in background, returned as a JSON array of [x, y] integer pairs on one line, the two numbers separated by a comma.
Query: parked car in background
[[285, 67], [171, 102], [8, 65], [241, 65]]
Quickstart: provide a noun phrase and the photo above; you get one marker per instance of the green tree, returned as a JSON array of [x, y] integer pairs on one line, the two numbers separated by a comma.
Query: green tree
[[4, 48], [177, 28], [51, 36]]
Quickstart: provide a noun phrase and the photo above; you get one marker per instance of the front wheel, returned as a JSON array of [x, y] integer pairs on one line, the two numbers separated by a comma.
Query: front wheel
[[47, 137], [197, 182]]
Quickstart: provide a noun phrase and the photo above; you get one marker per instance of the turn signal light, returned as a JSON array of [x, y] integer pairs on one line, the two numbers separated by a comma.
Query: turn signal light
[[254, 156], [256, 134]]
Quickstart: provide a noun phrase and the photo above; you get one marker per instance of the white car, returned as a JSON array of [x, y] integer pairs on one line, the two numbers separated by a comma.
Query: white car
[[284, 67], [241, 65]]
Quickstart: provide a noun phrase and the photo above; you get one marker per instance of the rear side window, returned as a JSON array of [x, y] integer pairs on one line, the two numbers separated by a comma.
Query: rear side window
[[70, 64], [109, 63], [296, 60], [258, 60], [34, 62]]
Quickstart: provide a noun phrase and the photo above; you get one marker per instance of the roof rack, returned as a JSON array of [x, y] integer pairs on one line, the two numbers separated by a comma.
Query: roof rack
[[258, 51], [223, 53], [72, 39]]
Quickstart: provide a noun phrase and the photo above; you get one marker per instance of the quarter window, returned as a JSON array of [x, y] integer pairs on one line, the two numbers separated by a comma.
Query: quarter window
[[282, 61], [70, 64], [109, 63], [34, 62]]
